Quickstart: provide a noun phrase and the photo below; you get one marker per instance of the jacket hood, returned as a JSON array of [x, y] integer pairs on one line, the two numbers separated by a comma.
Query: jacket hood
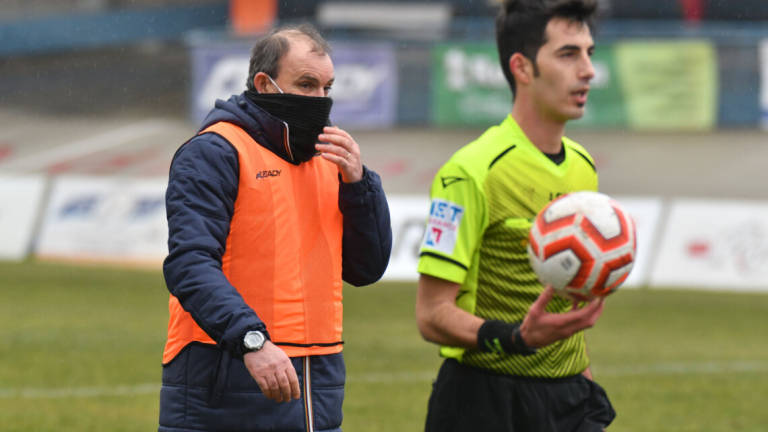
[[264, 128]]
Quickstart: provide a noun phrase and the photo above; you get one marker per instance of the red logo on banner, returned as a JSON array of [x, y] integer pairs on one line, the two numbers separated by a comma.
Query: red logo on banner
[[699, 248]]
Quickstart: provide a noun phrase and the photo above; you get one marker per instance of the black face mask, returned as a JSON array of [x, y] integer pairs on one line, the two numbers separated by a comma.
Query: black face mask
[[305, 115]]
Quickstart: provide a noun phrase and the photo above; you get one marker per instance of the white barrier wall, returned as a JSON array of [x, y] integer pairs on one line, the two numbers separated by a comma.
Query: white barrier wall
[[714, 244], [105, 219], [20, 201], [408, 214], [646, 212]]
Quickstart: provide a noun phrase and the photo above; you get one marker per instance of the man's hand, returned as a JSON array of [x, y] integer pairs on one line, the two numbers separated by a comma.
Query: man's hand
[[541, 328], [274, 373], [343, 151]]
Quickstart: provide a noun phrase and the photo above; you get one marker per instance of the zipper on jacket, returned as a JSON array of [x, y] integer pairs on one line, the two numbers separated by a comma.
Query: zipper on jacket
[[286, 142], [308, 416]]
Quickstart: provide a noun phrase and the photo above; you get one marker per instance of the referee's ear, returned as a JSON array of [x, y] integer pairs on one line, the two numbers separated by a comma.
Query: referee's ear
[[521, 68]]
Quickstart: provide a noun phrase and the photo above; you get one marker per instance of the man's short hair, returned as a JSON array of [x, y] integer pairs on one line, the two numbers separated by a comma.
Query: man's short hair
[[267, 52], [521, 27]]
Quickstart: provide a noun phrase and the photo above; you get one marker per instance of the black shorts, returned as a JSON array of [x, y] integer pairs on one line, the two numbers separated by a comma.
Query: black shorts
[[470, 399]]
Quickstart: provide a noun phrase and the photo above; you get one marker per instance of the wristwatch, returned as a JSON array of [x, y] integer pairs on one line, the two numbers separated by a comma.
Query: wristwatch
[[253, 341]]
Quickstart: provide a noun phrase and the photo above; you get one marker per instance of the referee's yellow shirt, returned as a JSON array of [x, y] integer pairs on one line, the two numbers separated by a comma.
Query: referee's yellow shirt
[[483, 201]]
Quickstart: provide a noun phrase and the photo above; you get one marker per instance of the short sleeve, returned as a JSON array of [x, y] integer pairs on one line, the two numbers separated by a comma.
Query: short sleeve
[[457, 219]]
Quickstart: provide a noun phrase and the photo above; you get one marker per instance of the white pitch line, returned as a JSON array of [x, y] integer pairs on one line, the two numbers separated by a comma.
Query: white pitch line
[[681, 368], [92, 144], [610, 371], [704, 368]]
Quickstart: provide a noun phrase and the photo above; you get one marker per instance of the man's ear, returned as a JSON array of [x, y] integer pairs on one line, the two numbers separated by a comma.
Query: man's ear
[[521, 68], [260, 81]]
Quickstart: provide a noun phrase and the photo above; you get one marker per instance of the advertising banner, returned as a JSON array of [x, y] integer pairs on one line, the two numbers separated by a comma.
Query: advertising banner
[[646, 212], [219, 70], [365, 86], [763, 47], [408, 215], [469, 88], [106, 219], [669, 84], [20, 203], [714, 244], [364, 91]]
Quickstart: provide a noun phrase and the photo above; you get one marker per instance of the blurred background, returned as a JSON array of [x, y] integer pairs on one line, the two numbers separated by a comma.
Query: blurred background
[[108, 89], [96, 96]]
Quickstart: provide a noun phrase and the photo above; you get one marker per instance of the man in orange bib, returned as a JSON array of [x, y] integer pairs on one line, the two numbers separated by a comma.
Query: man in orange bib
[[269, 210]]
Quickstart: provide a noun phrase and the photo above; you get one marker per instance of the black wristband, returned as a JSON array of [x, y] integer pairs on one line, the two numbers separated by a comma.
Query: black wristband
[[496, 336], [520, 346], [501, 337]]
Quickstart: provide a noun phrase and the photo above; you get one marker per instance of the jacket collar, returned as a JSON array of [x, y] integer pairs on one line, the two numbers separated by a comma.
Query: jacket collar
[[266, 129]]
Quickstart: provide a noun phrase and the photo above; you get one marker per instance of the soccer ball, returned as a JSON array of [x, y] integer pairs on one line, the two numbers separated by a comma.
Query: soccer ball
[[583, 244]]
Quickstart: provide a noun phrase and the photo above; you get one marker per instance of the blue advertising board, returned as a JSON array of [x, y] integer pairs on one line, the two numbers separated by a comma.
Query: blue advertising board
[[364, 91], [219, 70]]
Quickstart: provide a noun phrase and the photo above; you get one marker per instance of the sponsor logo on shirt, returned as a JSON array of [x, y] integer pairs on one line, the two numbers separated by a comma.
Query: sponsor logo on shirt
[[449, 180], [443, 225], [267, 173]]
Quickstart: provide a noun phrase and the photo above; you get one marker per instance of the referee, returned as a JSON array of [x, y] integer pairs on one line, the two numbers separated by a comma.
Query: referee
[[516, 358]]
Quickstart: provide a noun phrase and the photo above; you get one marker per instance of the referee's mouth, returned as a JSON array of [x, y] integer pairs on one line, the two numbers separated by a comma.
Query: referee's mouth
[[580, 96]]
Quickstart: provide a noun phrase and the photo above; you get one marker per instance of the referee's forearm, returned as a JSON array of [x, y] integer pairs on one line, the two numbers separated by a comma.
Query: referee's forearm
[[450, 326], [439, 319]]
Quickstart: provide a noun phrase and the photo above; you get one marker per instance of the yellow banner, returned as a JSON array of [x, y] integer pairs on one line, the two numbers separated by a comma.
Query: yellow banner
[[669, 84]]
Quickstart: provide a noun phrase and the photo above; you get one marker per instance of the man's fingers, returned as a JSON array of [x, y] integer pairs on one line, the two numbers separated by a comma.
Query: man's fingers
[[338, 151], [337, 140], [584, 317], [284, 387], [344, 142], [334, 139], [540, 328], [266, 387], [596, 309], [333, 130], [263, 385], [274, 373], [293, 380], [274, 388], [541, 302], [593, 307]]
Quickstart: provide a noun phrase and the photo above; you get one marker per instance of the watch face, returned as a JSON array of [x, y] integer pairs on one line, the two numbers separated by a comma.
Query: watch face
[[254, 340]]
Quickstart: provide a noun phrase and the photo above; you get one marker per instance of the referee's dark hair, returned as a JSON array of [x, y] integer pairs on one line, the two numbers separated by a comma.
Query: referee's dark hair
[[521, 26], [267, 51]]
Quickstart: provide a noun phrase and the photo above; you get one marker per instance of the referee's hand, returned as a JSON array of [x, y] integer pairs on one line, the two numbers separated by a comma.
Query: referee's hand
[[274, 373], [541, 328]]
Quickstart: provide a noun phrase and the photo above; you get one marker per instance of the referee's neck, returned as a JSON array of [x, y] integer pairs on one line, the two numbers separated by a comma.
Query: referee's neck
[[545, 134]]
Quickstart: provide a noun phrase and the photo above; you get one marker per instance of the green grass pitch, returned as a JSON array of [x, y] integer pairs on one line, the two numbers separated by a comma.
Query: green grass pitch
[[80, 351]]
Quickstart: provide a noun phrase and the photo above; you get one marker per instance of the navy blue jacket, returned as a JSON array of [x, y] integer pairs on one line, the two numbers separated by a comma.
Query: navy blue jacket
[[202, 189]]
